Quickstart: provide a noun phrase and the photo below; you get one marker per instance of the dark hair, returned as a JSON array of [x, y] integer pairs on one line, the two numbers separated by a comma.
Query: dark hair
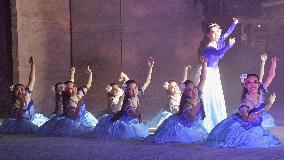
[[58, 100], [66, 82], [182, 102], [210, 26], [187, 82], [245, 91]]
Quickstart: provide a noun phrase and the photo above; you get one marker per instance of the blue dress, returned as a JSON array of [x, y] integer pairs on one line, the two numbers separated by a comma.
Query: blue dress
[[29, 122], [165, 112], [122, 125], [178, 128], [65, 125], [213, 97], [236, 133]]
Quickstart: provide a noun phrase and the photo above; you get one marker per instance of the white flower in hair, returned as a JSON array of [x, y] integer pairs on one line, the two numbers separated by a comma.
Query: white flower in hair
[[182, 87], [108, 88], [166, 85], [243, 77], [12, 87]]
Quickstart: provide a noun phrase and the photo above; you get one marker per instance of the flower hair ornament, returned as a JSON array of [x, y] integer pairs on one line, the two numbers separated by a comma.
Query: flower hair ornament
[[166, 85], [108, 88], [12, 87], [182, 88], [243, 77], [60, 87]]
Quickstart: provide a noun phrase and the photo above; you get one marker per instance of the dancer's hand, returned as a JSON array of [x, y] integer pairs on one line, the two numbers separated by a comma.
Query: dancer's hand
[[274, 59], [263, 57], [236, 20], [31, 60], [203, 60], [151, 62], [72, 70], [88, 70], [232, 41], [187, 67], [122, 77], [272, 98]]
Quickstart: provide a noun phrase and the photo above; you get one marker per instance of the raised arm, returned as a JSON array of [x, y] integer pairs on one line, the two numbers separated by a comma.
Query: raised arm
[[90, 79], [272, 99], [185, 73], [230, 30], [271, 73], [149, 75], [72, 74], [203, 60], [263, 59], [32, 74]]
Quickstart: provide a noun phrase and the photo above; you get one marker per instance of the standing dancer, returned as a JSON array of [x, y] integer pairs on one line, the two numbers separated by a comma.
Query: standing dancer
[[213, 97]]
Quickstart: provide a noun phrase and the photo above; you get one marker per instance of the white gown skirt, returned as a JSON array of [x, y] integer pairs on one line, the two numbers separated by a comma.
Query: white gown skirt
[[213, 99]]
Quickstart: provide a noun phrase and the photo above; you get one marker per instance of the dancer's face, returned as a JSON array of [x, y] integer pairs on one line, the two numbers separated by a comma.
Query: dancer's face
[[173, 88], [251, 84], [114, 90], [214, 33], [132, 89], [20, 91], [71, 88], [191, 91]]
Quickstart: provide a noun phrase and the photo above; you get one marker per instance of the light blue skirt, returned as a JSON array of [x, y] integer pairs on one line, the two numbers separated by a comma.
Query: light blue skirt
[[179, 129], [65, 126], [231, 133], [159, 118], [18, 126]]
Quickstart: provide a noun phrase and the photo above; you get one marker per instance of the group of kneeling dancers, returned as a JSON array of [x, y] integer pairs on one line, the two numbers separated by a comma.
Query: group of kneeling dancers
[[194, 112]]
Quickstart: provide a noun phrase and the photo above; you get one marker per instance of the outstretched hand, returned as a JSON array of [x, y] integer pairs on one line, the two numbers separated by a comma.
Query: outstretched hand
[[187, 67], [203, 60], [236, 20], [89, 71], [232, 41], [31, 60], [263, 57], [151, 62], [274, 59], [272, 98], [72, 70]]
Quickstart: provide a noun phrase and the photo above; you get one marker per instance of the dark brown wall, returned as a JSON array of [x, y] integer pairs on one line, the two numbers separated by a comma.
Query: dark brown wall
[[5, 54]]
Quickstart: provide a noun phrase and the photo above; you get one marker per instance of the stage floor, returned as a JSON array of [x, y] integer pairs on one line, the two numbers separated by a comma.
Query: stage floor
[[34, 147]]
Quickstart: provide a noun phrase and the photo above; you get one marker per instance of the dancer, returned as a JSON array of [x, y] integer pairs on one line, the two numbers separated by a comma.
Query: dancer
[[213, 97], [173, 101], [76, 120], [58, 89], [23, 118], [185, 126], [115, 95], [244, 129], [126, 123]]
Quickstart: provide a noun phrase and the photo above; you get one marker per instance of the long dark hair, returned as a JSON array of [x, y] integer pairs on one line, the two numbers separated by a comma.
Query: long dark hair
[[58, 99], [184, 97], [245, 91]]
